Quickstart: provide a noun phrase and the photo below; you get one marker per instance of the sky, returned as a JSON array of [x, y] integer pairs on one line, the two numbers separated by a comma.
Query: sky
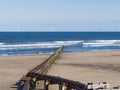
[[60, 15]]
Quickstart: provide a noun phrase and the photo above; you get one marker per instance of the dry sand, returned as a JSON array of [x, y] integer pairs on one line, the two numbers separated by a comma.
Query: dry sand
[[84, 67], [12, 68], [103, 66]]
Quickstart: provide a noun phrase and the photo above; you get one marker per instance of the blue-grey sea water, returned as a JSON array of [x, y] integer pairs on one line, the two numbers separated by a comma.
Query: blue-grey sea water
[[29, 43]]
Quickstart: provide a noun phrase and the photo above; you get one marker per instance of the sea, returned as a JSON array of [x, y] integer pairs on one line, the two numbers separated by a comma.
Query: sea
[[33, 43]]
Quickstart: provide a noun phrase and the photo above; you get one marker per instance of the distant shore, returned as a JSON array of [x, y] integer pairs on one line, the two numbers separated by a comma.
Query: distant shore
[[97, 66]]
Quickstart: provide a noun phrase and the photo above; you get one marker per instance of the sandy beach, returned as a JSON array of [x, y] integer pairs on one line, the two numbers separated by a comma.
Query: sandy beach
[[83, 67], [12, 68], [102, 66]]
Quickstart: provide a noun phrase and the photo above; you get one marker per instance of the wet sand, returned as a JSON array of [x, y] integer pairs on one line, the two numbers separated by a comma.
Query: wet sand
[[83, 67]]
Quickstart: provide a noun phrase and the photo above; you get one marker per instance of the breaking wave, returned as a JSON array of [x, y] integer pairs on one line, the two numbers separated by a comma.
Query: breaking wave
[[101, 43], [30, 48], [53, 44]]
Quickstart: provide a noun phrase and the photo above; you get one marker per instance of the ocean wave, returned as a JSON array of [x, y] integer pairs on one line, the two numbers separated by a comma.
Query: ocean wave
[[52, 44], [56, 44], [2, 43], [26, 54], [101, 43]]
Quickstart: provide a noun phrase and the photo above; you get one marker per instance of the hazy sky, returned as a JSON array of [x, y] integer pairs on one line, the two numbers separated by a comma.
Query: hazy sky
[[59, 15]]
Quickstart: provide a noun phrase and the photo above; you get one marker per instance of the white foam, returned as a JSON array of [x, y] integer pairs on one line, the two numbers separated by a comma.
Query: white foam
[[3, 54], [68, 43], [2, 43], [98, 43], [52, 44], [55, 44]]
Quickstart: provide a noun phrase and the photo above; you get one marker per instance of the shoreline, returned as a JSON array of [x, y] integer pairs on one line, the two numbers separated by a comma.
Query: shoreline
[[77, 66], [113, 50]]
